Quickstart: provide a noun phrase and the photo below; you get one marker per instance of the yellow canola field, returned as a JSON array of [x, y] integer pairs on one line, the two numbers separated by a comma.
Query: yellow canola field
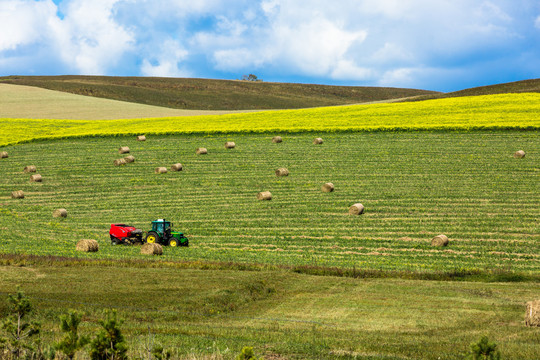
[[505, 111]]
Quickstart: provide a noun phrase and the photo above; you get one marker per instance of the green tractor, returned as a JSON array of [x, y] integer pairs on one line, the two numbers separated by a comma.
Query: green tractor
[[162, 233]]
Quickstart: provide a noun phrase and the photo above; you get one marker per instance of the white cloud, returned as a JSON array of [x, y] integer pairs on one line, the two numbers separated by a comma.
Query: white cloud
[[23, 23], [89, 38], [166, 63], [537, 22]]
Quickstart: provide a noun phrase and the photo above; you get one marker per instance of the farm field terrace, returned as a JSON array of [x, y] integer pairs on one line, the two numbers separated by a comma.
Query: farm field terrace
[[414, 185], [504, 111]]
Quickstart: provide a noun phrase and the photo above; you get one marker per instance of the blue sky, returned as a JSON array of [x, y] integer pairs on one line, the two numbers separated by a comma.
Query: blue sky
[[440, 45]]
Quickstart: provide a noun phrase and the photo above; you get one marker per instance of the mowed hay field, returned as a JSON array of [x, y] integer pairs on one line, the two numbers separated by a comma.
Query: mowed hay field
[[413, 185]]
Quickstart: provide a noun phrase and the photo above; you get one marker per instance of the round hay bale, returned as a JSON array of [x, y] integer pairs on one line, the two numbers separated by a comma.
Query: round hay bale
[[161, 170], [141, 138], [123, 150], [87, 245], [439, 240], [36, 178], [277, 139], [356, 209], [177, 167], [519, 154], [129, 159], [151, 249], [264, 195], [3, 154], [328, 187], [30, 168], [18, 194], [60, 213], [201, 151], [230, 145], [282, 172], [317, 141], [532, 315], [119, 162]]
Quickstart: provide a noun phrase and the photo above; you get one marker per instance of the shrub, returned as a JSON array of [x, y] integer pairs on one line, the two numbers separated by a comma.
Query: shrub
[[247, 354], [484, 350]]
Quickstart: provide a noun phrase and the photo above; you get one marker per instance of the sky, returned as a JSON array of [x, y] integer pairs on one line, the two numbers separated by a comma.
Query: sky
[[442, 45]]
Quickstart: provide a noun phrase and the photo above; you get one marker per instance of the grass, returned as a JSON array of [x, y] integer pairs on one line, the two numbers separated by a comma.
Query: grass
[[414, 186], [18, 101], [207, 94], [203, 313], [507, 111]]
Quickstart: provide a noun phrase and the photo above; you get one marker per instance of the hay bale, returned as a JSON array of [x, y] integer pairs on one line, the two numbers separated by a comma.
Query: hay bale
[[123, 150], [356, 209], [230, 145], [282, 172], [519, 154], [532, 316], [36, 178], [87, 245], [151, 249], [30, 168], [439, 240], [129, 159], [18, 194], [317, 141], [141, 138], [328, 187], [177, 167], [264, 195], [160, 170], [119, 162], [59, 213], [277, 139], [201, 151], [3, 154]]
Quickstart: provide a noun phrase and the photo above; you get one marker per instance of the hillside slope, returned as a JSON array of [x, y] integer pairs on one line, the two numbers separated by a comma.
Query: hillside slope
[[30, 102], [516, 87], [206, 94]]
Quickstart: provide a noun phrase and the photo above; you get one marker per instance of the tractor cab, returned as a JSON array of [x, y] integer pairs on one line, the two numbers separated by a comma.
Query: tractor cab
[[161, 226], [162, 233]]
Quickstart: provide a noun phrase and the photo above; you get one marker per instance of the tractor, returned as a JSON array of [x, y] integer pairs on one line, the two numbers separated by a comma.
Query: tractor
[[162, 233]]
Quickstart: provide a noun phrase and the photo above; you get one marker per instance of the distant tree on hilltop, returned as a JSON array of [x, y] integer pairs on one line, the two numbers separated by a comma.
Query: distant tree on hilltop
[[250, 77]]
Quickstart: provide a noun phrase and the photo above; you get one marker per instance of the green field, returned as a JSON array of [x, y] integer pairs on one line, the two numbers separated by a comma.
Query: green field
[[209, 314], [414, 185]]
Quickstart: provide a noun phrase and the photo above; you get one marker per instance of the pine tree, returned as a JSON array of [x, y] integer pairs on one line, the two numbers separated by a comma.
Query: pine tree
[[109, 343], [16, 327], [72, 342]]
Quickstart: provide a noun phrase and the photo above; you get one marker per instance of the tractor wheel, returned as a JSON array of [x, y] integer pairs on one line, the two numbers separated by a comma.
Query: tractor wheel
[[152, 237], [173, 242]]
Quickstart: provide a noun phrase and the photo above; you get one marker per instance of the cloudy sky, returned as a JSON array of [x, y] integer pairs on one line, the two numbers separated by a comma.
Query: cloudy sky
[[440, 45]]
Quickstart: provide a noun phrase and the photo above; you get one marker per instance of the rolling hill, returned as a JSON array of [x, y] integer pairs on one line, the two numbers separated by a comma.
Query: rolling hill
[[206, 94]]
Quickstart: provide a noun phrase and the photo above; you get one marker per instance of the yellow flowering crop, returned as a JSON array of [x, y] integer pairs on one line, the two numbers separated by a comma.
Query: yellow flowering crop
[[504, 111]]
